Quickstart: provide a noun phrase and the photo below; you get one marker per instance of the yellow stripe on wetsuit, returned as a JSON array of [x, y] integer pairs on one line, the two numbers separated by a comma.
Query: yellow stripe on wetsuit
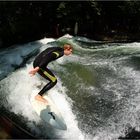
[[57, 54], [52, 78]]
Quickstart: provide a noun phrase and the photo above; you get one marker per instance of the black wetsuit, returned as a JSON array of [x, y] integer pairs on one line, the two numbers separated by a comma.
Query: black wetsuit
[[42, 60]]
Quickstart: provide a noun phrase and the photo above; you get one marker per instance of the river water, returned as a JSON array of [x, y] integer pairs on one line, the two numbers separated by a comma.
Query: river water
[[97, 90]]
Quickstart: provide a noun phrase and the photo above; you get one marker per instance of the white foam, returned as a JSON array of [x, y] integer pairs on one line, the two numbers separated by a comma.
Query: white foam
[[68, 36], [64, 104], [46, 40], [19, 100]]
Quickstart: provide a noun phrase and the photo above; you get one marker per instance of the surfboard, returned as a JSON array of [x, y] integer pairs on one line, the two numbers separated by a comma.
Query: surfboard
[[49, 113]]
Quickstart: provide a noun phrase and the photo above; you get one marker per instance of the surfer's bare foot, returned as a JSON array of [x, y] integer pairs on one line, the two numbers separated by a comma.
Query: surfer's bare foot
[[40, 98]]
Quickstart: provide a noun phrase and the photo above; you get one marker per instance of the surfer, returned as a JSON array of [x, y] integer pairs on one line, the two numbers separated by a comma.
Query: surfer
[[40, 66]]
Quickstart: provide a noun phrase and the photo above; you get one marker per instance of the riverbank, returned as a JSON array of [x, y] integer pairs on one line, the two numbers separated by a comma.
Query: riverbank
[[114, 37]]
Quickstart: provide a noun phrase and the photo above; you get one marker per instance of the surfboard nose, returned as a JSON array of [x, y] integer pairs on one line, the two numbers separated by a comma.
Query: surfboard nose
[[58, 123], [64, 127]]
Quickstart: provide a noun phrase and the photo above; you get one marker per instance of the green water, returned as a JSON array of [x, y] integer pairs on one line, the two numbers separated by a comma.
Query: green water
[[104, 85]]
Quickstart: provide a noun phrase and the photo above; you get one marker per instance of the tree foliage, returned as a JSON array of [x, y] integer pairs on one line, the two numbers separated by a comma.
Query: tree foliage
[[29, 20]]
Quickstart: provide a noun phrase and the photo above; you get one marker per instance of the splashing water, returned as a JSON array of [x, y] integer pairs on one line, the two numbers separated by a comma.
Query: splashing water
[[97, 93]]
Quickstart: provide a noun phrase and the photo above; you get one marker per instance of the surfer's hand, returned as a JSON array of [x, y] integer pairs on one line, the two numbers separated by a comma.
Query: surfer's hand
[[33, 71]]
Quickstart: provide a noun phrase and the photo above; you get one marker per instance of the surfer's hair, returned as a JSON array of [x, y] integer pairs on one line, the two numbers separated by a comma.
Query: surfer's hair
[[67, 46]]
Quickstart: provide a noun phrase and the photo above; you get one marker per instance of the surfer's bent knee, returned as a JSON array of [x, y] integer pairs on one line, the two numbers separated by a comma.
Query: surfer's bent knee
[[49, 76], [50, 85], [55, 81]]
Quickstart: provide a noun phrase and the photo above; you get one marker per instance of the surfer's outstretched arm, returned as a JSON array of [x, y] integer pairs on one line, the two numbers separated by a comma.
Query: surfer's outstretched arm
[[33, 71]]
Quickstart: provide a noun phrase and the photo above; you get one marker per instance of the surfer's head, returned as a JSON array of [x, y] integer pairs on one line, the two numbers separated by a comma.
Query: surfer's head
[[67, 49]]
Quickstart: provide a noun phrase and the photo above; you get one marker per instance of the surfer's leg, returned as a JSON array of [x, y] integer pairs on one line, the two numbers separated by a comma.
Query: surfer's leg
[[47, 74]]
